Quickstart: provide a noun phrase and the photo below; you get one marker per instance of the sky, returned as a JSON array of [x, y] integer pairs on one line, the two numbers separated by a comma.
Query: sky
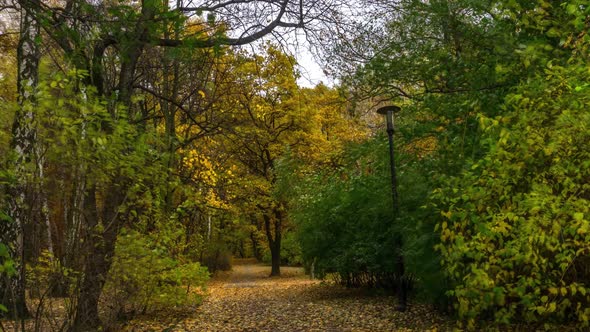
[[311, 72]]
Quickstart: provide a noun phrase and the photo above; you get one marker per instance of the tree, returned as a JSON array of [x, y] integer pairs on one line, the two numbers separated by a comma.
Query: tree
[[27, 156], [266, 121], [448, 63], [514, 241], [109, 41], [8, 87]]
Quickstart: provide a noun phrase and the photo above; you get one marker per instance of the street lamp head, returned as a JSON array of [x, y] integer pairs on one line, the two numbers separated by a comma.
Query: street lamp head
[[388, 111]]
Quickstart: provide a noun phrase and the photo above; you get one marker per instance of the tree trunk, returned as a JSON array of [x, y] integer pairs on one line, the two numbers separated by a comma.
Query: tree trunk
[[255, 247], [100, 244], [170, 88], [12, 290], [274, 241], [103, 225], [275, 252]]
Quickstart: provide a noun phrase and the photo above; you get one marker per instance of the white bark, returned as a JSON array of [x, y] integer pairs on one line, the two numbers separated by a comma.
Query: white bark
[[23, 144]]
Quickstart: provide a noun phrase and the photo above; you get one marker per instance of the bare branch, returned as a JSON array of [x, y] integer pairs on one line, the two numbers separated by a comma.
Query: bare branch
[[246, 37]]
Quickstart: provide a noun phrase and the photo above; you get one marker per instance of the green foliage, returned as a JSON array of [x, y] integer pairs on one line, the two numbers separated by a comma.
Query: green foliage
[[291, 254], [7, 263], [87, 137], [146, 275], [291, 250], [6, 267], [5, 132], [7, 92], [501, 88], [515, 230], [345, 221], [48, 275]]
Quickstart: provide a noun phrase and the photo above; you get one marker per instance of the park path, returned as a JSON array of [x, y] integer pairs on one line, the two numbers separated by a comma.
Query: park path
[[247, 299]]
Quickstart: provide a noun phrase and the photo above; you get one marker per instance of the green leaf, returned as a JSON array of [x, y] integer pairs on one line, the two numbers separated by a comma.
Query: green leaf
[[571, 8]]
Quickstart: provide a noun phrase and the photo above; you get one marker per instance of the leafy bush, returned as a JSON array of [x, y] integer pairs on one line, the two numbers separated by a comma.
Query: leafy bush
[[49, 277], [6, 268], [145, 275], [291, 250], [516, 226], [345, 222]]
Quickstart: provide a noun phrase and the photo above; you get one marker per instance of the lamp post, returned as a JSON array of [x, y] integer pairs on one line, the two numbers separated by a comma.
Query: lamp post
[[389, 112]]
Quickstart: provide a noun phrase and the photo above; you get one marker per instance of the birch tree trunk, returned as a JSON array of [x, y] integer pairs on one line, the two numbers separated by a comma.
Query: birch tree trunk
[[12, 290]]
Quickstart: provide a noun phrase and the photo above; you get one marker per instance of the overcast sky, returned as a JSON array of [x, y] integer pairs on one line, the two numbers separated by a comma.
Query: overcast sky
[[311, 73]]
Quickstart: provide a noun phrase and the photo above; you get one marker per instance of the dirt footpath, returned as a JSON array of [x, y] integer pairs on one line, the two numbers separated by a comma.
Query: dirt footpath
[[247, 299]]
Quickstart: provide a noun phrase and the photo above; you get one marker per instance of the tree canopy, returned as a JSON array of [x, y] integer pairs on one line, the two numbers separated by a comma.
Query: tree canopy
[[144, 147]]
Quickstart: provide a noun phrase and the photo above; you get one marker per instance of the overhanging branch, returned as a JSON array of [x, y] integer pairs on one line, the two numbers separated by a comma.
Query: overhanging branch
[[246, 38]]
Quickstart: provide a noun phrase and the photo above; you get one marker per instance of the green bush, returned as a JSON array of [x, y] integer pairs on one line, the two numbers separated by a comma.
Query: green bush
[[6, 268], [345, 225], [516, 226], [145, 276], [291, 250]]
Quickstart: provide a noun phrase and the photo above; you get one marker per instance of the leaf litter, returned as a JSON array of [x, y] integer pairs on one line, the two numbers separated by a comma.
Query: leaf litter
[[247, 299]]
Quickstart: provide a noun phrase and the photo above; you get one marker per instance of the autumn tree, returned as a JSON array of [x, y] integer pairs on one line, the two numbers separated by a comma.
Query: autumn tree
[[264, 122], [109, 42], [271, 119]]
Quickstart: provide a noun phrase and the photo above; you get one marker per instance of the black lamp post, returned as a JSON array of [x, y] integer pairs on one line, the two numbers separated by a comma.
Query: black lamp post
[[389, 112]]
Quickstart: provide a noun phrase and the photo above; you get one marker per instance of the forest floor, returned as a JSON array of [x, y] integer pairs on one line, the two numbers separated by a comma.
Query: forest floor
[[247, 299]]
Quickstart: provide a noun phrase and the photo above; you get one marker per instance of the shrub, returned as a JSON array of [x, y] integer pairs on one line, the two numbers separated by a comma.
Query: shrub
[[345, 222], [145, 276], [516, 227], [48, 277], [291, 250], [6, 268]]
